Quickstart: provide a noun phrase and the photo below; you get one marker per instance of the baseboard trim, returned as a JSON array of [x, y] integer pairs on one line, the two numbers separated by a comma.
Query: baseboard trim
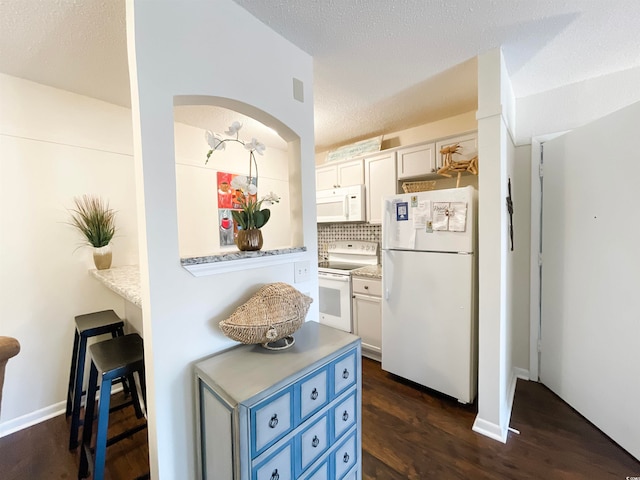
[[33, 418], [522, 373], [490, 429]]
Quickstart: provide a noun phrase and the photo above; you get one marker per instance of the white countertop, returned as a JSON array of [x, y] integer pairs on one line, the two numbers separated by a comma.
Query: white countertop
[[124, 280]]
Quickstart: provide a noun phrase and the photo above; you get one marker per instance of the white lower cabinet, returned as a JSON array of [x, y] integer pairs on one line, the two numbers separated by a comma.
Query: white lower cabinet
[[282, 415], [367, 315]]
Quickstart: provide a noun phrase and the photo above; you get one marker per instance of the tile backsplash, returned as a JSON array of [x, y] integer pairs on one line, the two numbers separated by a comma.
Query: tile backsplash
[[330, 232]]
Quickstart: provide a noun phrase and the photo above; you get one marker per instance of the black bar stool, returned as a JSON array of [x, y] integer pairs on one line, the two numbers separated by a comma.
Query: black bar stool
[[88, 325], [115, 358]]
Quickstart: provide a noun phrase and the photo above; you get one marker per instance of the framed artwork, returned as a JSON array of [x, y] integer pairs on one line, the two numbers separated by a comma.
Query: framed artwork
[[229, 199]]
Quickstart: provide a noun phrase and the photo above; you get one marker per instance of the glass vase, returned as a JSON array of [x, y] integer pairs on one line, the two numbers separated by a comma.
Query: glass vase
[[249, 240]]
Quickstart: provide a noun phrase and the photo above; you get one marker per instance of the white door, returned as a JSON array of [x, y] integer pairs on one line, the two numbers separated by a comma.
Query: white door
[[590, 305]]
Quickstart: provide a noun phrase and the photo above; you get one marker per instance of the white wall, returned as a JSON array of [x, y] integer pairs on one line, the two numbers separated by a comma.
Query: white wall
[[520, 283], [54, 145], [170, 47], [577, 104]]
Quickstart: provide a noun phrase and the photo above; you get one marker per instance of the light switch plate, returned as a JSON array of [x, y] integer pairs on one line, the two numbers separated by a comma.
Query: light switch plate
[[301, 271]]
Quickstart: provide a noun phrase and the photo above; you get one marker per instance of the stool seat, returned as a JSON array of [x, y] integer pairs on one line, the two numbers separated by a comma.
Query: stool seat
[[98, 323], [117, 357], [110, 360], [87, 325]]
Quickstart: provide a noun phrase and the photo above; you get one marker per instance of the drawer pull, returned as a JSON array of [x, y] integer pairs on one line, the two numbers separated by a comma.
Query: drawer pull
[[345, 374], [345, 458], [273, 422], [345, 416], [366, 287], [314, 394], [275, 475], [315, 442]]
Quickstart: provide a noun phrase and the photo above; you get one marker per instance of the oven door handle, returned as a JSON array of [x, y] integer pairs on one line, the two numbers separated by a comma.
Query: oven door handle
[[333, 276]]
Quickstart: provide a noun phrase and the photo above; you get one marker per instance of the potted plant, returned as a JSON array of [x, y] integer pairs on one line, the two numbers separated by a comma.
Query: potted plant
[[96, 221], [250, 217]]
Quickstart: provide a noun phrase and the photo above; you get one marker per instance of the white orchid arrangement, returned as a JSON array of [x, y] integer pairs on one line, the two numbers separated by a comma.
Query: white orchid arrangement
[[252, 215]]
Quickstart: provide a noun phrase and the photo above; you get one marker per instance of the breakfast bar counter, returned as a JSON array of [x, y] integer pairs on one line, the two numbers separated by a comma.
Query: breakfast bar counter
[[124, 280]]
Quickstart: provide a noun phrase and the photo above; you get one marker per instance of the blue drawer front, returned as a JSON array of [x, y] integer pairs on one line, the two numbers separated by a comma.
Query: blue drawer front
[[271, 420], [278, 466], [311, 443], [344, 373], [312, 393]]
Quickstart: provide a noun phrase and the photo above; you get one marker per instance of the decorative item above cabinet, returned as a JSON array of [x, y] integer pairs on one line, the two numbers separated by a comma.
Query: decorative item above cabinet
[[468, 146]]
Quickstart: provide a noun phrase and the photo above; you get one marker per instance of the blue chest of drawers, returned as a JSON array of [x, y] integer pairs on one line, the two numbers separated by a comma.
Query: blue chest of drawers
[[288, 415]]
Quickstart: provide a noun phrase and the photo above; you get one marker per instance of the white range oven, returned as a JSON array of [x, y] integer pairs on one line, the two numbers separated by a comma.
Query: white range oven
[[335, 280]]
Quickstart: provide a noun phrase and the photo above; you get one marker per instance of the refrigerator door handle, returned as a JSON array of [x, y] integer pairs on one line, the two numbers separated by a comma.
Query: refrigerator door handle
[[386, 294]]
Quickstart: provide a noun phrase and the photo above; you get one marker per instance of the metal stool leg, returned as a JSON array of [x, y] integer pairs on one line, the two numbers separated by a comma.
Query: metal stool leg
[[72, 373], [87, 431], [101, 433], [77, 394]]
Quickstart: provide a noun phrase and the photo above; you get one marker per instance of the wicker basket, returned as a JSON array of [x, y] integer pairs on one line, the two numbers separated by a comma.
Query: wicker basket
[[274, 312], [421, 186]]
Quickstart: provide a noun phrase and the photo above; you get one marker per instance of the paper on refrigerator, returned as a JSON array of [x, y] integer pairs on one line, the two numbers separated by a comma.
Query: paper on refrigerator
[[400, 234], [449, 216], [421, 215]]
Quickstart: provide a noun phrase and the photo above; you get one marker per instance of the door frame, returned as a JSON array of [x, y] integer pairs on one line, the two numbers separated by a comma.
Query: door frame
[[536, 250]]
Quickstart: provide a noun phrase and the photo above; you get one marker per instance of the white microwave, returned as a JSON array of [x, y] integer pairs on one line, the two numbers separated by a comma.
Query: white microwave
[[345, 204]]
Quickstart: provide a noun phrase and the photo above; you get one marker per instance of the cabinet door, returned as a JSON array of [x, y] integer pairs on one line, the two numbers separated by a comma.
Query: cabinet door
[[416, 161], [326, 177], [380, 180], [351, 173], [468, 147], [367, 321]]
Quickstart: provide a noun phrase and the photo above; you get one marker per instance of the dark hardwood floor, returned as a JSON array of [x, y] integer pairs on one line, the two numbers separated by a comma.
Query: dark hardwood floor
[[409, 432], [41, 452]]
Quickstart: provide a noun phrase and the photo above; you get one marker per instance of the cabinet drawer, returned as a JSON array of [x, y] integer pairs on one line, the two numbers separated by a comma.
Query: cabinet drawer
[[344, 415], [313, 393], [271, 419], [321, 473], [367, 286], [344, 457], [277, 467], [344, 373], [352, 475], [313, 442]]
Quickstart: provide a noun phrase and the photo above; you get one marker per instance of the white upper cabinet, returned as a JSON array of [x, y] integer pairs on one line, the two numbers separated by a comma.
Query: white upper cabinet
[[416, 161], [380, 180], [468, 147], [340, 175]]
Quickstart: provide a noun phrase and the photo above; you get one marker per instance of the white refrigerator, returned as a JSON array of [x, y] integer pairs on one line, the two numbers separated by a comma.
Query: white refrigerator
[[429, 286]]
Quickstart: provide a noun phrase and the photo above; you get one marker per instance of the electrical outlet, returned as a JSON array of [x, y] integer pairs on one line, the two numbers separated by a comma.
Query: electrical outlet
[[301, 271]]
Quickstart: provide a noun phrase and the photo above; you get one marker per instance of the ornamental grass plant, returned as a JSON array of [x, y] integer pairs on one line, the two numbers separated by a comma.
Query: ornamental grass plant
[[94, 219]]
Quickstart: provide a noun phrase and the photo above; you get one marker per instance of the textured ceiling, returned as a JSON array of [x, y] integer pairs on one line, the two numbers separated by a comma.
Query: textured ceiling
[[379, 65]]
